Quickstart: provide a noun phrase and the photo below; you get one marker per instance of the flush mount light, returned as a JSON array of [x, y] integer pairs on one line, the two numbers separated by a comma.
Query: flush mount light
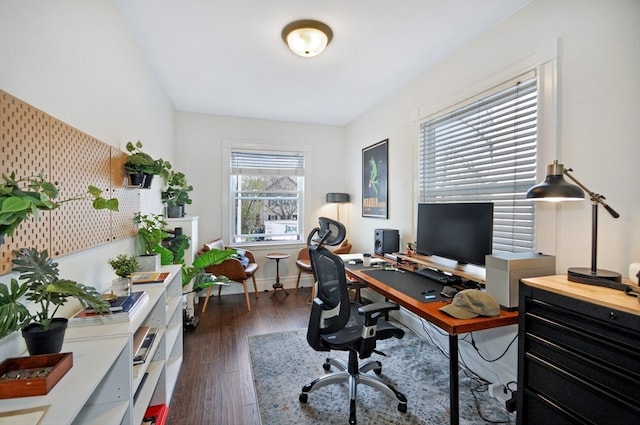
[[307, 38]]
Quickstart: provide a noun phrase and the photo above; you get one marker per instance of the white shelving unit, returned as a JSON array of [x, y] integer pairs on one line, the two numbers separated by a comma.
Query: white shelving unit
[[100, 387], [189, 225]]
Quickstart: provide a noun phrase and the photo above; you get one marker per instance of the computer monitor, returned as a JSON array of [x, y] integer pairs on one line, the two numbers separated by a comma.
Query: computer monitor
[[457, 231]]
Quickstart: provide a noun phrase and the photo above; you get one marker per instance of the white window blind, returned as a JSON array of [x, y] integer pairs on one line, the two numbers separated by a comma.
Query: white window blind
[[485, 151], [257, 163]]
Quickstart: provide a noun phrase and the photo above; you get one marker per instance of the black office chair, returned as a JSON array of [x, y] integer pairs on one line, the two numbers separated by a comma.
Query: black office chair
[[338, 324]]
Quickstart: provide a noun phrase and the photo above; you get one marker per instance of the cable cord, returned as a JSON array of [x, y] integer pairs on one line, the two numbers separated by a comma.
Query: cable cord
[[480, 386]]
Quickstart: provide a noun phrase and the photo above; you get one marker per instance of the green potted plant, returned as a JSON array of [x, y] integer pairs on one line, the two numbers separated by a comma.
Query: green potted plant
[[141, 167], [123, 265], [176, 196], [195, 279], [21, 198], [40, 283], [151, 232]]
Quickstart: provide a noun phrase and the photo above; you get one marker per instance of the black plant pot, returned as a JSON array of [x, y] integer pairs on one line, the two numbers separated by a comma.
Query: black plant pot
[[45, 342], [136, 179], [148, 178], [176, 211]]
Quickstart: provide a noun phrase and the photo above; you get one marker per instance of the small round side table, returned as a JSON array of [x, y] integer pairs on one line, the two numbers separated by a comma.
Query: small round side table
[[277, 285]]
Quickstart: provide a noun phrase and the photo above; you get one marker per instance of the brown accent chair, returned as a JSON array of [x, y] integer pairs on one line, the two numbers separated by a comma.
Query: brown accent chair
[[231, 268], [303, 263]]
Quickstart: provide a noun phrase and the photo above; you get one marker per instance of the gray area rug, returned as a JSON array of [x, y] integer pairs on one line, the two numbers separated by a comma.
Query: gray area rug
[[282, 363]]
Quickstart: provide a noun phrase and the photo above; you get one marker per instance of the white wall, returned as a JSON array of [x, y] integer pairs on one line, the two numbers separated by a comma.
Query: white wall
[[599, 133], [200, 140], [77, 62]]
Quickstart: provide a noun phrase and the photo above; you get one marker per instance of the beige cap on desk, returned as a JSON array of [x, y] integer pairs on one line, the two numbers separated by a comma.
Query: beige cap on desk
[[472, 303]]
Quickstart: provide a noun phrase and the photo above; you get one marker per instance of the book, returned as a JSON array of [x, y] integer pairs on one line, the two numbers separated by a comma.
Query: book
[[142, 353], [138, 337], [84, 317], [139, 389], [123, 302], [150, 277]]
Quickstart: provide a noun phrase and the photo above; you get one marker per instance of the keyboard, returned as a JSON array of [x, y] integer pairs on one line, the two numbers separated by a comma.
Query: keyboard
[[440, 277]]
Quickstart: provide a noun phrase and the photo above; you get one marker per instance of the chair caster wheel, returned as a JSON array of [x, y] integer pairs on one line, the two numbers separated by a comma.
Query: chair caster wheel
[[326, 367], [377, 371], [305, 397], [402, 407]]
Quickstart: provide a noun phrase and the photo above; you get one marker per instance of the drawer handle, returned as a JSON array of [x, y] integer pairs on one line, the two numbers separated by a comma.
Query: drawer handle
[[612, 315]]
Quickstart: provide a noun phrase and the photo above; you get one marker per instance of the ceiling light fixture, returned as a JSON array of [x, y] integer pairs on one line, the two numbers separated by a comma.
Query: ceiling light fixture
[[307, 38]]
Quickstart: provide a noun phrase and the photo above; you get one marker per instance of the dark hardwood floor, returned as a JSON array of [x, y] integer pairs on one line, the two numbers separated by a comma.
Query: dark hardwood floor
[[215, 385]]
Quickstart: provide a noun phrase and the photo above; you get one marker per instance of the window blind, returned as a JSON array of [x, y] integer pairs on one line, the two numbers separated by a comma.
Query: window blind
[[258, 163], [485, 151]]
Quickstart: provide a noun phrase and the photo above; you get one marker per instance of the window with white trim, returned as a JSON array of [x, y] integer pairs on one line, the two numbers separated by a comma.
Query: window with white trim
[[266, 196], [485, 151]]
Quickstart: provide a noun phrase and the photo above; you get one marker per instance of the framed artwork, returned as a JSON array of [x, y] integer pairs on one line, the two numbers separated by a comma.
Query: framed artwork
[[375, 167]]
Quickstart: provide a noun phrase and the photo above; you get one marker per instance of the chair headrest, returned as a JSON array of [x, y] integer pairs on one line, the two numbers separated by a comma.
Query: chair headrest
[[330, 232]]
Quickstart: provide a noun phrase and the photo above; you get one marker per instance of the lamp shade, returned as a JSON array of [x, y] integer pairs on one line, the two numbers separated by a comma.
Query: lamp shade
[[307, 38], [337, 197], [555, 187]]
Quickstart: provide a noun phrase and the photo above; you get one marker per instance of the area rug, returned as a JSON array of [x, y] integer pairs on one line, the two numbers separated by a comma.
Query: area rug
[[282, 363]]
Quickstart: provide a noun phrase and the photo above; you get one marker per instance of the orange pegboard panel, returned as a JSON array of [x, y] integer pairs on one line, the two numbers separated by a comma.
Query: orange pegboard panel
[[32, 142], [24, 149], [122, 225], [77, 161]]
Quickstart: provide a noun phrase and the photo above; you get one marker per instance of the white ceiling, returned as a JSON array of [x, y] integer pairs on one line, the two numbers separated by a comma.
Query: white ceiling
[[227, 57]]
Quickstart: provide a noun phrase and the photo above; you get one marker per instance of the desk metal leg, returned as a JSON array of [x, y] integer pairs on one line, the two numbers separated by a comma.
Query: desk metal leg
[[454, 403]]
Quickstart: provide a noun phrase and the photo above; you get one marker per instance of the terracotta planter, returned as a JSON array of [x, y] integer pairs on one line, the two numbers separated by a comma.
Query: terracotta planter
[[45, 342]]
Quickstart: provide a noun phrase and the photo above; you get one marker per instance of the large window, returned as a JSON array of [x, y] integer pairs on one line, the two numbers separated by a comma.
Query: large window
[[485, 151], [266, 196]]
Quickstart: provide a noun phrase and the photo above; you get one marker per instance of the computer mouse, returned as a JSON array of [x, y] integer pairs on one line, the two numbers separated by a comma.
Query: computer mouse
[[449, 291]]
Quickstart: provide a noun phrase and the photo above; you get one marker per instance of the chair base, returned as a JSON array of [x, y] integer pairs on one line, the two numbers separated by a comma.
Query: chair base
[[354, 375]]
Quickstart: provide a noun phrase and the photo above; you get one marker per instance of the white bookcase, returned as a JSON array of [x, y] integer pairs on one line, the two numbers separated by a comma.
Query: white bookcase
[[189, 225], [101, 386]]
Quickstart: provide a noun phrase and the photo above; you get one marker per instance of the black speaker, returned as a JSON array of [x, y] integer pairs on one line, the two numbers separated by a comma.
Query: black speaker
[[386, 241]]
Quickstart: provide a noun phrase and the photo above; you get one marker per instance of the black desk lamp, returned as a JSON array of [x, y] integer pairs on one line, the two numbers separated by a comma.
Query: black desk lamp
[[555, 188]]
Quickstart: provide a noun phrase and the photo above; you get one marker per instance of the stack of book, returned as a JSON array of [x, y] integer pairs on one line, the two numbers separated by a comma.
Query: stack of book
[[120, 310], [142, 342]]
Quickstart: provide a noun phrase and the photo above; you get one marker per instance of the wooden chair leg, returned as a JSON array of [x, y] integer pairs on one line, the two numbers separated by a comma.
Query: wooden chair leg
[[206, 299], [298, 281], [246, 294], [255, 287]]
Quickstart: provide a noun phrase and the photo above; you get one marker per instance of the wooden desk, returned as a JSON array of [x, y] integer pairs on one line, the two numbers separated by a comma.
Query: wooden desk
[[430, 312]]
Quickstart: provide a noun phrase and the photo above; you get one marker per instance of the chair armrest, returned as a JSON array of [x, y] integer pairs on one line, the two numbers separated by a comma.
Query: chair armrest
[[373, 311], [250, 256]]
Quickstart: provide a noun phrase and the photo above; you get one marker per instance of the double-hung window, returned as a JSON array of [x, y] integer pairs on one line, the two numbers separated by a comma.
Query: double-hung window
[[485, 151], [266, 196]]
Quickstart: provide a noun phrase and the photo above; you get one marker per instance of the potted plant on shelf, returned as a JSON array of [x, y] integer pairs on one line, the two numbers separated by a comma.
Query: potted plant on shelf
[[21, 198], [123, 265], [141, 167], [151, 232], [40, 283], [176, 196]]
